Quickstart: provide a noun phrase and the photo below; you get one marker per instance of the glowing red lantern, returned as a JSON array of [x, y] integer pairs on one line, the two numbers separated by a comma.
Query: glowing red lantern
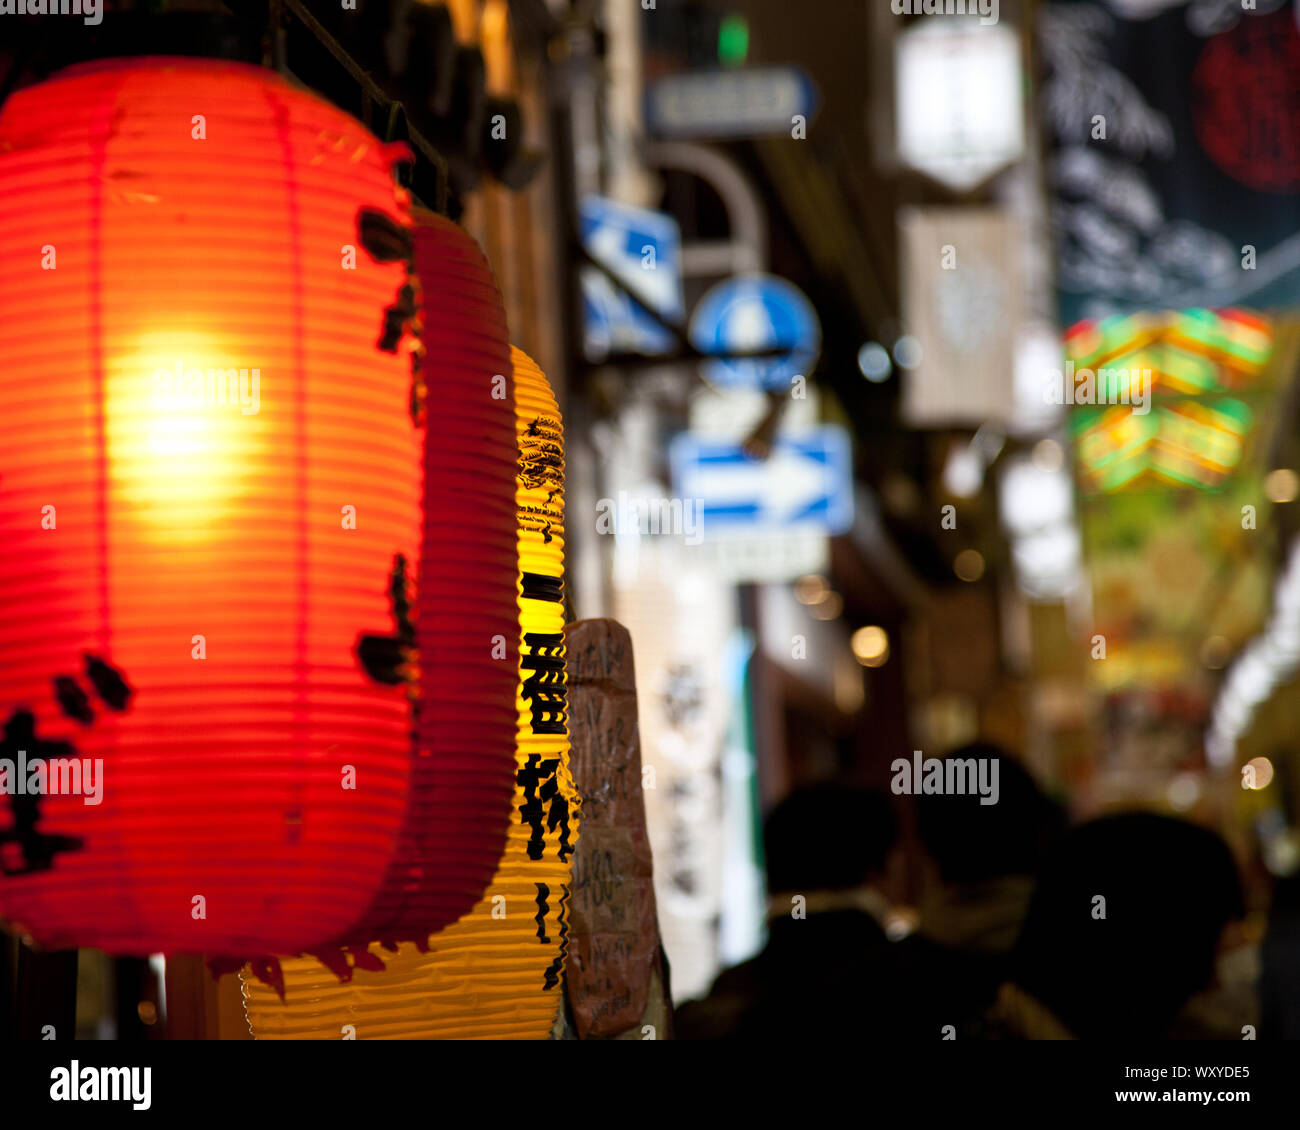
[[496, 972], [463, 777], [210, 502]]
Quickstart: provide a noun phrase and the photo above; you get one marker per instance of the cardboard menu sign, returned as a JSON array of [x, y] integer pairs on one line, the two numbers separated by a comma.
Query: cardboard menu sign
[[613, 928]]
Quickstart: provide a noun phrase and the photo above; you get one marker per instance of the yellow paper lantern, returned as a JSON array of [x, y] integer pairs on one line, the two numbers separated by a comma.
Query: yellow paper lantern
[[495, 973]]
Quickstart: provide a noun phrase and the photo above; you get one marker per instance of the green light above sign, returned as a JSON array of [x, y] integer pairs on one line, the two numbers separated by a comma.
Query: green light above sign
[[733, 41]]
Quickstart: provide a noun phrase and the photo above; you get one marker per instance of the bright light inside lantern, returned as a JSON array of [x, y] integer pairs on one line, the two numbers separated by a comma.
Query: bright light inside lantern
[[182, 422]]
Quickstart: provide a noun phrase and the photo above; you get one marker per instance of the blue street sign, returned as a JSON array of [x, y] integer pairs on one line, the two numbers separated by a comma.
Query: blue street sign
[[735, 102], [806, 482], [643, 249], [754, 312]]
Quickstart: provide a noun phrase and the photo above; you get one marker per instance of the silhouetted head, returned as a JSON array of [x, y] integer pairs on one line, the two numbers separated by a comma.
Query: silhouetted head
[[827, 837], [1279, 958], [1169, 889], [971, 841]]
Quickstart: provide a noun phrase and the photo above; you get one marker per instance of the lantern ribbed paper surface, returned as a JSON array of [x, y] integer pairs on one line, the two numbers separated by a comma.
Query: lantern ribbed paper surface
[[210, 500], [467, 624], [496, 972]]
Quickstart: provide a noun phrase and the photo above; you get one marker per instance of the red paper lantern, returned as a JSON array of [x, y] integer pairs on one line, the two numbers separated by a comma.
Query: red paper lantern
[[209, 597], [463, 777], [496, 972]]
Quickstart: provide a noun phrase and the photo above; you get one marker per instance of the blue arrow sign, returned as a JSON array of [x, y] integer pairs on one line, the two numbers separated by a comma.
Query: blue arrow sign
[[750, 313], [806, 482], [731, 103], [643, 250]]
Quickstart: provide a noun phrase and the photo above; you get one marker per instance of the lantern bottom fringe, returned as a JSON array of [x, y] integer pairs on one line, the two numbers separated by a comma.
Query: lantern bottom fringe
[[339, 960]]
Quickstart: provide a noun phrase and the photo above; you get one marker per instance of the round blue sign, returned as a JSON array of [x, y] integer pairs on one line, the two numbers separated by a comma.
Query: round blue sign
[[756, 312]]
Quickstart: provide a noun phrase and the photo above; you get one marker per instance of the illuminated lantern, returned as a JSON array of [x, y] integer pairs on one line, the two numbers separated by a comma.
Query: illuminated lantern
[[210, 503], [495, 973], [467, 622]]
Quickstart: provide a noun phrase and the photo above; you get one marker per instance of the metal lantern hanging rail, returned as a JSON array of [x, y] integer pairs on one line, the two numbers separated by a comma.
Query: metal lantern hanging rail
[[210, 502]]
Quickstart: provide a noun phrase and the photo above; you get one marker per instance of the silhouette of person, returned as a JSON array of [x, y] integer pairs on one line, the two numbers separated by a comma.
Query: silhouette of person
[[1279, 982], [987, 857], [1122, 930], [827, 968]]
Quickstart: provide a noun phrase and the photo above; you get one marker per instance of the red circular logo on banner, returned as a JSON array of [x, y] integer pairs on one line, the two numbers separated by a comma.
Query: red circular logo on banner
[[1246, 102]]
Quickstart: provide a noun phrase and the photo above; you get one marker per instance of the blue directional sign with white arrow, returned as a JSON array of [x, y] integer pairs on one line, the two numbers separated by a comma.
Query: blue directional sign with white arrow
[[643, 250], [806, 482]]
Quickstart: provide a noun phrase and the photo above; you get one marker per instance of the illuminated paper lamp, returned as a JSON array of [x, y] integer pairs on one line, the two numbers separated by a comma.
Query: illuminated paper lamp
[[495, 973], [191, 589], [467, 616]]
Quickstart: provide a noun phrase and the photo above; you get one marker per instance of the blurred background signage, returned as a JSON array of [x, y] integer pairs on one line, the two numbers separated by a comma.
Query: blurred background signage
[[806, 481], [756, 312], [958, 106], [1179, 185], [962, 306], [737, 103], [642, 249]]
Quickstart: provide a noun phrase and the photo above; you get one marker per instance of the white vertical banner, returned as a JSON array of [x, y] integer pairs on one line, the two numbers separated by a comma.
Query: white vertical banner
[[962, 303], [743, 926], [681, 618]]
